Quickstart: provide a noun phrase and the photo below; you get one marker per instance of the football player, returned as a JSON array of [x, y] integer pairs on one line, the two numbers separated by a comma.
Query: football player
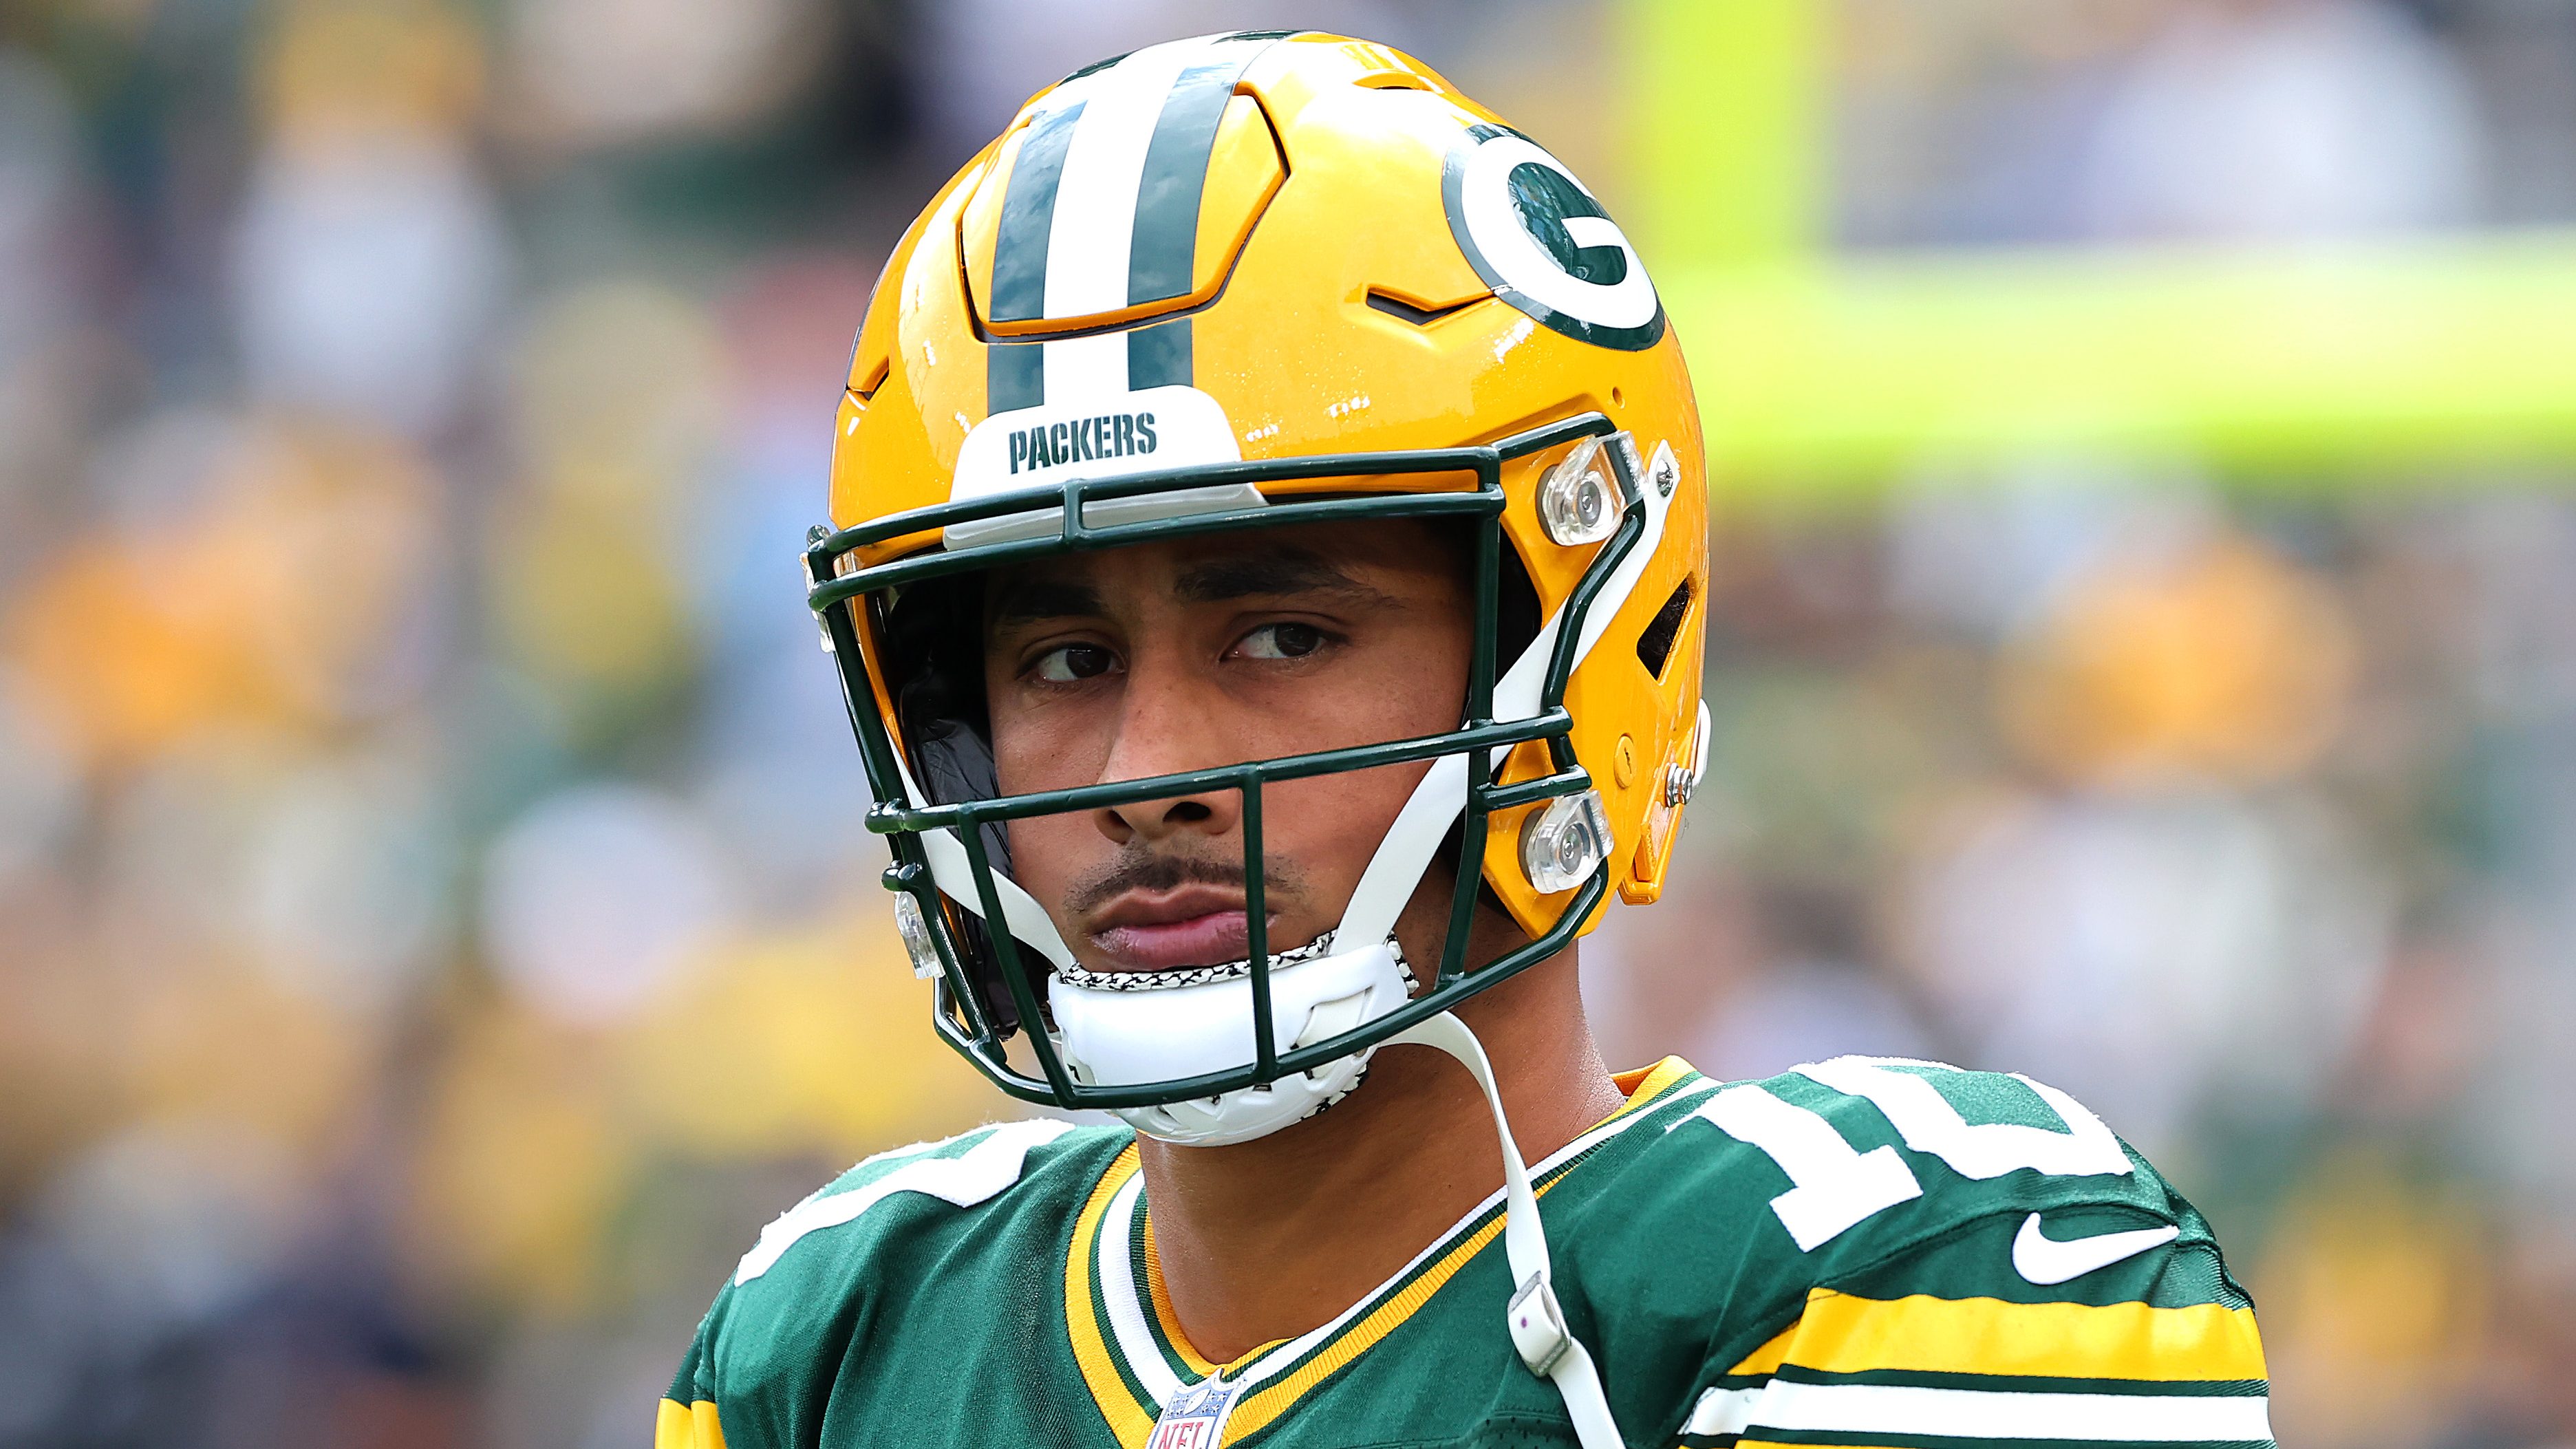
[[1268, 571]]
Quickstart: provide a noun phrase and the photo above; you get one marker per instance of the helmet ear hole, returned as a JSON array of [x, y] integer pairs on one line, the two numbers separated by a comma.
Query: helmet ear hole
[[1655, 645]]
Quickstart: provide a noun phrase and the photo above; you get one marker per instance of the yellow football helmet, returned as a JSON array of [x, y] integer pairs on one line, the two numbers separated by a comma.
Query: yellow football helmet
[[1235, 282]]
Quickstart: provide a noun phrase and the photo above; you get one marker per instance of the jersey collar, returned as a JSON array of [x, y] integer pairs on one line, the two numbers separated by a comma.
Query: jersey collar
[[1130, 1348]]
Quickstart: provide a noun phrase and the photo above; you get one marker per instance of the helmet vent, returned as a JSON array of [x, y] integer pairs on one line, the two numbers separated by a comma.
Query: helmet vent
[[1655, 646], [1395, 306]]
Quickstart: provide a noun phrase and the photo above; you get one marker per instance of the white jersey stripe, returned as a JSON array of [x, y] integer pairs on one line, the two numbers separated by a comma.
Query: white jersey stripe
[[1982, 1414], [1117, 1267], [964, 1180]]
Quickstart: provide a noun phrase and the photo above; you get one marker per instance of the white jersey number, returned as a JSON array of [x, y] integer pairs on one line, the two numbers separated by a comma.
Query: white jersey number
[[1834, 1186]]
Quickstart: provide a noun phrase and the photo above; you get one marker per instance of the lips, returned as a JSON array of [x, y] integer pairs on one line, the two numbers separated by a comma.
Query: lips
[[1167, 930], [1209, 940]]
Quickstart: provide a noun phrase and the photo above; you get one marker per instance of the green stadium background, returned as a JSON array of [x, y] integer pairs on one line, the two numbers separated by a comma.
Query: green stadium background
[[435, 931]]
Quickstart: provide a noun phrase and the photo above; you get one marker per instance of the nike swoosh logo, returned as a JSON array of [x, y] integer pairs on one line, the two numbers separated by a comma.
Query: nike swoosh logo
[[2044, 1260]]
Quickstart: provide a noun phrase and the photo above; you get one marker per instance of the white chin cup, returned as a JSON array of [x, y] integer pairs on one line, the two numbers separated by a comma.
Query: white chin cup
[[1127, 1038]]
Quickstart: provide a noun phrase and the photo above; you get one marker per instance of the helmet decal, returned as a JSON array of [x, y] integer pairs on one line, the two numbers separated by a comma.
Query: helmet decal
[[1541, 240], [1094, 436], [1132, 139]]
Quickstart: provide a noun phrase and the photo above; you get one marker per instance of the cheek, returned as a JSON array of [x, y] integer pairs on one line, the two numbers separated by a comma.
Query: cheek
[[1332, 825], [1041, 749], [1413, 683], [1050, 745], [1049, 851]]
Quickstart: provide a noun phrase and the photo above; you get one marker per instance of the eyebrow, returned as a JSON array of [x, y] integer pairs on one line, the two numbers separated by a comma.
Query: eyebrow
[[1275, 572], [1030, 601]]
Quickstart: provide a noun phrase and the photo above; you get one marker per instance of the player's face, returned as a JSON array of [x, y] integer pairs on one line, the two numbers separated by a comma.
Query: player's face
[[1159, 658]]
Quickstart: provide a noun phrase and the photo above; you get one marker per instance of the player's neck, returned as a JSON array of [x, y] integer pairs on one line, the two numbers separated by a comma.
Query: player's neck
[[1270, 1238]]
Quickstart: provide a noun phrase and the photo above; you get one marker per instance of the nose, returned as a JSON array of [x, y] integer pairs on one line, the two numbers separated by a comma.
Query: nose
[[1163, 729], [1210, 813]]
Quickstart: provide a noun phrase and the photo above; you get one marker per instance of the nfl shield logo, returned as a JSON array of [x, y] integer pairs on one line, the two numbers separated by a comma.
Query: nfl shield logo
[[1195, 1417]]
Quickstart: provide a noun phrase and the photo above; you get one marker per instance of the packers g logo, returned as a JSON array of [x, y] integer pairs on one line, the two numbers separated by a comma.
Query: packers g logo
[[1542, 242]]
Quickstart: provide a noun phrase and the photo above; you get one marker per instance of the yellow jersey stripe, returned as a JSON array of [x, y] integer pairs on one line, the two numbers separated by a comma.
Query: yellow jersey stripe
[[1647, 1083], [687, 1426], [1776, 1444], [1129, 1421], [1843, 1334], [1274, 1398], [1768, 1358]]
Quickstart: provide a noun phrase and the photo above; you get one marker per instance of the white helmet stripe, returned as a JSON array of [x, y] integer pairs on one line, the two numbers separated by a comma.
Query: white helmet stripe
[[1087, 245], [1109, 137]]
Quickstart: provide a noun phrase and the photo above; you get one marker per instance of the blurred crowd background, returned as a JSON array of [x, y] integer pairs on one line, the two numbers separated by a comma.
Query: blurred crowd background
[[435, 930]]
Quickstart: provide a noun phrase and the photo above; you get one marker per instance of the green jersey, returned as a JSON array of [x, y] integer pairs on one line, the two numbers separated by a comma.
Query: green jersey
[[1859, 1252]]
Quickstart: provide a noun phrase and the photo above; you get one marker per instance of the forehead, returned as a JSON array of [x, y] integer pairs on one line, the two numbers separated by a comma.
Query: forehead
[[1376, 560]]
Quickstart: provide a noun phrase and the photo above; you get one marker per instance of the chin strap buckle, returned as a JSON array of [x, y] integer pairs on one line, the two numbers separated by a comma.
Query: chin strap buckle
[[1538, 1325]]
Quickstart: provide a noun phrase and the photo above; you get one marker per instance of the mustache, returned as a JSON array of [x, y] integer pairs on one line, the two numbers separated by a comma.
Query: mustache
[[1139, 871]]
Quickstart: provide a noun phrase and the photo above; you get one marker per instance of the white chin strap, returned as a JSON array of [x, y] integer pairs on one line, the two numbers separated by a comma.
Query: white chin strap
[[1123, 1038], [1535, 1319]]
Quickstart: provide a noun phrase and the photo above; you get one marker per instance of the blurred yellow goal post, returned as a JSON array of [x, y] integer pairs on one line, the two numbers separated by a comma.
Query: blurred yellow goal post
[[1821, 372]]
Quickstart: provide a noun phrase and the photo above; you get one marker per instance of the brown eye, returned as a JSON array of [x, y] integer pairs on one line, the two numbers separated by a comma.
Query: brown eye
[[1282, 641], [1074, 662]]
